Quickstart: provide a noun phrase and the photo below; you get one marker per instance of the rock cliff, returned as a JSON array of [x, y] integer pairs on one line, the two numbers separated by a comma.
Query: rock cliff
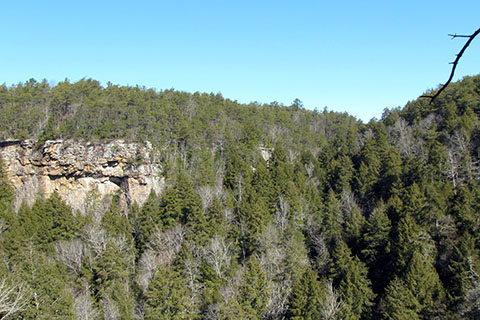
[[75, 168]]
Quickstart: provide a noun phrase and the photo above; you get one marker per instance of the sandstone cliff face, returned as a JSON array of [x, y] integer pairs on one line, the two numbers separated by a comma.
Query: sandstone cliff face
[[74, 169]]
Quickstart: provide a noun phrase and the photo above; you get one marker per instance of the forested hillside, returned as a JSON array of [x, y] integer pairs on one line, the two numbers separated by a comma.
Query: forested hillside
[[270, 211]]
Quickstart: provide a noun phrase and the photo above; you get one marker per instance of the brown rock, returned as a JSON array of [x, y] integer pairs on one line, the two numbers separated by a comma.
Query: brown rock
[[74, 168]]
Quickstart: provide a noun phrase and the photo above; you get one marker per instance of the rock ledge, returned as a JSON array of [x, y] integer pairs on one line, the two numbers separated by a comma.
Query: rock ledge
[[74, 168]]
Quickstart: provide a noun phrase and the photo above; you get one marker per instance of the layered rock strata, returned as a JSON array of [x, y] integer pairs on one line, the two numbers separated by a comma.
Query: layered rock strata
[[75, 169]]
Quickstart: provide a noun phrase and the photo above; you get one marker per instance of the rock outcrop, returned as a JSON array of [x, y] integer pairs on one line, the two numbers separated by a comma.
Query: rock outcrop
[[73, 169]]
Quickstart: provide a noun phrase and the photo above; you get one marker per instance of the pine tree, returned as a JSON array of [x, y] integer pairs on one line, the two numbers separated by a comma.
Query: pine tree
[[399, 302], [306, 298], [423, 281], [57, 218], [331, 216], [46, 284], [115, 221], [405, 242], [147, 218], [354, 222], [353, 284], [215, 219], [254, 290], [340, 173], [376, 233], [375, 247], [262, 183], [253, 216], [47, 221], [236, 169], [110, 268], [390, 175], [368, 173], [166, 296], [170, 208], [281, 171], [463, 265], [464, 208]]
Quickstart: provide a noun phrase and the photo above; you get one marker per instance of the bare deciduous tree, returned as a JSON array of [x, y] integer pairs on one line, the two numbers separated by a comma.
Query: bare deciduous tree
[[332, 304], [401, 135], [273, 261], [146, 269], [12, 299], [84, 307], [278, 298], [322, 256], [166, 244], [470, 308], [282, 214], [71, 253], [347, 202], [207, 194], [110, 310], [218, 255], [161, 250], [94, 206], [192, 272], [461, 165], [273, 255], [95, 238]]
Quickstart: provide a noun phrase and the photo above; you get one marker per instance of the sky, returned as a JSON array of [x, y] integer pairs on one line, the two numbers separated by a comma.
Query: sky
[[358, 57]]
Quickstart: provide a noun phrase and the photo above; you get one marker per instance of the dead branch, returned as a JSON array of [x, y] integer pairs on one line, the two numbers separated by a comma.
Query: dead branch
[[454, 63]]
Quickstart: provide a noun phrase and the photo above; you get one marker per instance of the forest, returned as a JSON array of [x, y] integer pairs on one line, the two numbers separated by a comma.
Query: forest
[[270, 211]]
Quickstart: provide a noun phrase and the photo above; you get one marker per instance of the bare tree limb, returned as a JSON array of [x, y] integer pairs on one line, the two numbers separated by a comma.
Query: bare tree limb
[[12, 299], [454, 63], [459, 35]]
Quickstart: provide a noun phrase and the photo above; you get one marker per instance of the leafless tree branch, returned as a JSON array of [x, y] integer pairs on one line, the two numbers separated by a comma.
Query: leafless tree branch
[[12, 299], [454, 63]]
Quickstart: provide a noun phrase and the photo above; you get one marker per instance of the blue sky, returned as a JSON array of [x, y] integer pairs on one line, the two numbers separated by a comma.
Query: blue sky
[[353, 56]]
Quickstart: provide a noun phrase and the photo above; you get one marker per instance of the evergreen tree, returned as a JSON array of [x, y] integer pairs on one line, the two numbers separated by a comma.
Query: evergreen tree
[[44, 223], [354, 223], [48, 295], [281, 171], [215, 219], [331, 216], [375, 247], [179, 204], [56, 218], [399, 302], [465, 210], [236, 169], [368, 173], [390, 175], [166, 296], [262, 183], [353, 284], [376, 233], [306, 297], [254, 290], [463, 265], [405, 242], [422, 280], [147, 218], [253, 217], [115, 221], [340, 173], [111, 272]]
